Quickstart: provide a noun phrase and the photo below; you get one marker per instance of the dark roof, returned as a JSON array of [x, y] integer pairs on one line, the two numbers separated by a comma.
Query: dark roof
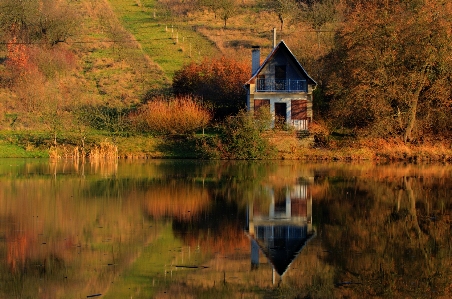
[[283, 251], [281, 47]]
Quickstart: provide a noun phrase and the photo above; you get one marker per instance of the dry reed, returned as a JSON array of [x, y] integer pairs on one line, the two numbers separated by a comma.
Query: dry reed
[[104, 151]]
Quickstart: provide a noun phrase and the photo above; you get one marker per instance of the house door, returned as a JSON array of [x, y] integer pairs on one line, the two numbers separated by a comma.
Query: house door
[[280, 114]]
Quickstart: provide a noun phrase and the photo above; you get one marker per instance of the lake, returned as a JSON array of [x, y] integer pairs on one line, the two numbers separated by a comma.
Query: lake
[[224, 229]]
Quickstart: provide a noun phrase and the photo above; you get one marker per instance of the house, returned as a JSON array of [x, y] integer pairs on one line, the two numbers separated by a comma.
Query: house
[[282, 229], [281, 85]]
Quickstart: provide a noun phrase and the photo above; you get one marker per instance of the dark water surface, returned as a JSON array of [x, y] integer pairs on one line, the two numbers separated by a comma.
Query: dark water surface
[[193, 229]]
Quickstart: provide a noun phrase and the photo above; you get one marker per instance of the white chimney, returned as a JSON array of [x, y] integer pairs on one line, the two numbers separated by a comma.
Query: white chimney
[[274, 38], [255, 59]]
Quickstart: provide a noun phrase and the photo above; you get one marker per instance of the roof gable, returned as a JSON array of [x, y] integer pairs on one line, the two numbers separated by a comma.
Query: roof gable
[[282, 47]]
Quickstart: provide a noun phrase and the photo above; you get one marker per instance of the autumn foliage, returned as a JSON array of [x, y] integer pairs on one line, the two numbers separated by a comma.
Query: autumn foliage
[[18, 56], [390, 71], [182, 203], [218, 82], [181, 115]]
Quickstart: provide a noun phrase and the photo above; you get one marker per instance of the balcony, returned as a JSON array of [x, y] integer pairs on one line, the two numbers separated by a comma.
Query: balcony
[[287, 85]]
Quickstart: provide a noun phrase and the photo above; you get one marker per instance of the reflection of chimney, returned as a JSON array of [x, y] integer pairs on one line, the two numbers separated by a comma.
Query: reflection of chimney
[[255, 59]]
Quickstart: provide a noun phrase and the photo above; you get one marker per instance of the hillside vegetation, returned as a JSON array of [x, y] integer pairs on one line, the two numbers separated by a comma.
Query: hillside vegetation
[[72, 73]]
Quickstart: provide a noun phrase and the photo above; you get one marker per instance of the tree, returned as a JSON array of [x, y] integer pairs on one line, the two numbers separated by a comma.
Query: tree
[[319, 13], [391, 70], [284, 9], [218, 82], [227, 9], [47, 21]]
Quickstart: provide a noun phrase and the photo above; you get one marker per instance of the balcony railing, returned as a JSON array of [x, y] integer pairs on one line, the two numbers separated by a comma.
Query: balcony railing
[[287, 85]]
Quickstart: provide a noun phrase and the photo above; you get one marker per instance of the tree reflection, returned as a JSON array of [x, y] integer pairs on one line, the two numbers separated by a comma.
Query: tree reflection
[[372, 230], [387, 236]]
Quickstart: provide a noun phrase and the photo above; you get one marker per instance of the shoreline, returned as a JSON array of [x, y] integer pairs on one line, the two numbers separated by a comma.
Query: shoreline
[[287, 147]]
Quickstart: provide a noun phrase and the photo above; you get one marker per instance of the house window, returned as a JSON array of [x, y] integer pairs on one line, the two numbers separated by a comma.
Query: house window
[[299, 109], [261, 106], [280, 77], [261, 82]]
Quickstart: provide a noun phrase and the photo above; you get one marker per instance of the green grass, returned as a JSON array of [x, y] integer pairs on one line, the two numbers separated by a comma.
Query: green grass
[[8, 150], [157, 36]]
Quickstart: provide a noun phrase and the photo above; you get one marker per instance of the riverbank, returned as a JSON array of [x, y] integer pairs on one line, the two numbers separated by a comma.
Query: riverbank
[[287, 145]]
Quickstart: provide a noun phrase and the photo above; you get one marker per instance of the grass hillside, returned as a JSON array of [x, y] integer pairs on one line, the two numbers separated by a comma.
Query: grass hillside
[[122, 52], [119, 53], [167, 42]]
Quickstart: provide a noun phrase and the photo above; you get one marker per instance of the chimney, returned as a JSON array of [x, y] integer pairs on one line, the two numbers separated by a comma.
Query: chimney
[[255, 59], [274, 37]]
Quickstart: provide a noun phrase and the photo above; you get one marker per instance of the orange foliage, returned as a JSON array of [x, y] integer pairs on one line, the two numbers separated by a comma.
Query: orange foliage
[[181, 115], [227, 241], [17, 251], [217, 81], [18, 57], [180, 203]]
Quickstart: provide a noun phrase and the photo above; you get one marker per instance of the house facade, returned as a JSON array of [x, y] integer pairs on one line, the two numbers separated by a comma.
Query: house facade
[[281, 85]]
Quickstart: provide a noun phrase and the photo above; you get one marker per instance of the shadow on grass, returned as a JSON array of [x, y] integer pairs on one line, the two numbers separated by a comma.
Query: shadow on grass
[[177, 146]]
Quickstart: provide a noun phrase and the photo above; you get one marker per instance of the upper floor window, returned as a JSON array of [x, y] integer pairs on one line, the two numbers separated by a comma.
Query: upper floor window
[[280, 72]]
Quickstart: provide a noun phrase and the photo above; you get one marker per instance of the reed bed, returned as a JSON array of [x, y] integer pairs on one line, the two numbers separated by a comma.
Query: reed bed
[[66, 152], [104, 151]]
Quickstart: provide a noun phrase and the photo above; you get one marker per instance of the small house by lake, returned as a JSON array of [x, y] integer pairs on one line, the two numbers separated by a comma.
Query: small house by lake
[[281, 85]]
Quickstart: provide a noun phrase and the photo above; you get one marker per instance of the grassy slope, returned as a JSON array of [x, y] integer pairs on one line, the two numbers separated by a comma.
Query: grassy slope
[[168, 43]]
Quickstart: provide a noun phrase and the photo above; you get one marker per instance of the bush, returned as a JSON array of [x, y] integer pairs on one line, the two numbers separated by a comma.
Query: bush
[[218, 82], [182, 115], [321, 134], [107, 118], [240, 138]]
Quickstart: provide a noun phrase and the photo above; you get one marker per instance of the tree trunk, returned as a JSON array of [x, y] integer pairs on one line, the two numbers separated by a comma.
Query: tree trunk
[[411, 119], [412, 200], [281, 19], [413, 107]]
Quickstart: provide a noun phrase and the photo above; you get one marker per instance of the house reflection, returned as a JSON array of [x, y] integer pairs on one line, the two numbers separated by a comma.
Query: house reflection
[[281, 226]]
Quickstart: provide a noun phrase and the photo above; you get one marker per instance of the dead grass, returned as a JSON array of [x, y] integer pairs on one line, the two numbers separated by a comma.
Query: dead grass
[[396, 150], [290, 147], [66, 152], [104, 151]]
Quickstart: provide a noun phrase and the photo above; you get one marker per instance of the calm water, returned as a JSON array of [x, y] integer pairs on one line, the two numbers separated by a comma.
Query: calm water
[[192, 229]]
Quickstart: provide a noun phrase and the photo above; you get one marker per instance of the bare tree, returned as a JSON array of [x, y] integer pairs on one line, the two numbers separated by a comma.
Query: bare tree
[[46, 21], [227, 9], [284, 9]]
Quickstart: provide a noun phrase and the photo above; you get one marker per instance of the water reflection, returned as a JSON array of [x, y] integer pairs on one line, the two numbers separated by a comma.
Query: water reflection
[[282, 227], [223, 229]]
